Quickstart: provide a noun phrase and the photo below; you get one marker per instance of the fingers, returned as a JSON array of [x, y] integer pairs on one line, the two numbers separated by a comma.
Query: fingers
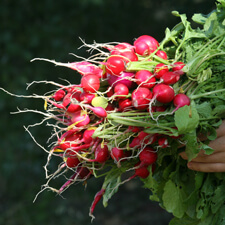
[[221, 130], [207, 167], [218, 144]]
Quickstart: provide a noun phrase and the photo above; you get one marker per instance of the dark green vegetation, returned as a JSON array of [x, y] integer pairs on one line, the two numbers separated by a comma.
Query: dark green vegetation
[[51, 29]]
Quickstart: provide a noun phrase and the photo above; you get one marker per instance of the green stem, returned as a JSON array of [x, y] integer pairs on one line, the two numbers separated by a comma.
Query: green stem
[[206, 94]]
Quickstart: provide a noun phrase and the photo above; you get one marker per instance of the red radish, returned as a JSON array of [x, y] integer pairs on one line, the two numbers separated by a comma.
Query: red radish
[[160, 69], [90, 83], [117, 154], [147, 138], [136, 142], [86, 97], [181, 100], [59, 95], [109, 92], [145, 45], [178, 66], [71, 141], [123, 78], [141, 98], [87, 136], [163, 142], [141, 171], [147, 156], [68, 102], [72, 162], [163, 93], [120, 91], [97, 198], [170, 78], [145, 78], [115, 65], [101, 154], [160, 108], [128, 55], [109, 107], [161, 54], [125, 104], [81, 173], [134, 129], [80, 118]]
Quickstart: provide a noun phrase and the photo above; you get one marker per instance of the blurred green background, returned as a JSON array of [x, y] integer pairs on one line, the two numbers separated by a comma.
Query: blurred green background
[[51, 29]]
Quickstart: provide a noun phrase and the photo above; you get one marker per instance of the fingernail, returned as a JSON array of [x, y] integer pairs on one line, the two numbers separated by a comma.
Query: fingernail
[[189, 165]]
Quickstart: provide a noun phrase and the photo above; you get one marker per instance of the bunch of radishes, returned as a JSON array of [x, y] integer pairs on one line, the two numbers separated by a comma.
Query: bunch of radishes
[[134, 78]]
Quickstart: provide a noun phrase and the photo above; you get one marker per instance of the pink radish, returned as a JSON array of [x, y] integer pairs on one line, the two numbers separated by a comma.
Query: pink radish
[[163, 93], [123, 78], [145, 78], [98, 111], [145, 45], [181, 100], [178, 66], [90, 83], [80, 118], [141, 98]]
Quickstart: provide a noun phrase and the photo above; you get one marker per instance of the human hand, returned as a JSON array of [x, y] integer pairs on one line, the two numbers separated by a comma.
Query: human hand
[[214, 162]]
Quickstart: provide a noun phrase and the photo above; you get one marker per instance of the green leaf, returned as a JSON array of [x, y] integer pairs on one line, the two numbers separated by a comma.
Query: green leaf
[[186, 119], [192, 148], [173, 197], [204, 109]]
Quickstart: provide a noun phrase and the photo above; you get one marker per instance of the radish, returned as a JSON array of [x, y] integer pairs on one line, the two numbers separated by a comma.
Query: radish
[[128, 54], [147, 156], [125, 104], [97, 198], [163, 142], [141, 98], [81, 173], [178, 66], [90, 83], [86, 97], [115, 65], [86, 68], [159, 108], [87, 135], [120, 91], [160, 69], [59, 95], [101, 154], [145, 78], [145, 45], [170, 78], [161, 54], [163, 93], [98, 111], [136, 142], [181, 100], [80, 118], [117, 154], [140, 171], [72, 162], [123, 78]]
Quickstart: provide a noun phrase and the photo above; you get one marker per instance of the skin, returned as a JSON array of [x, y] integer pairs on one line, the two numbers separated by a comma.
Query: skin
[[214, 162]]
